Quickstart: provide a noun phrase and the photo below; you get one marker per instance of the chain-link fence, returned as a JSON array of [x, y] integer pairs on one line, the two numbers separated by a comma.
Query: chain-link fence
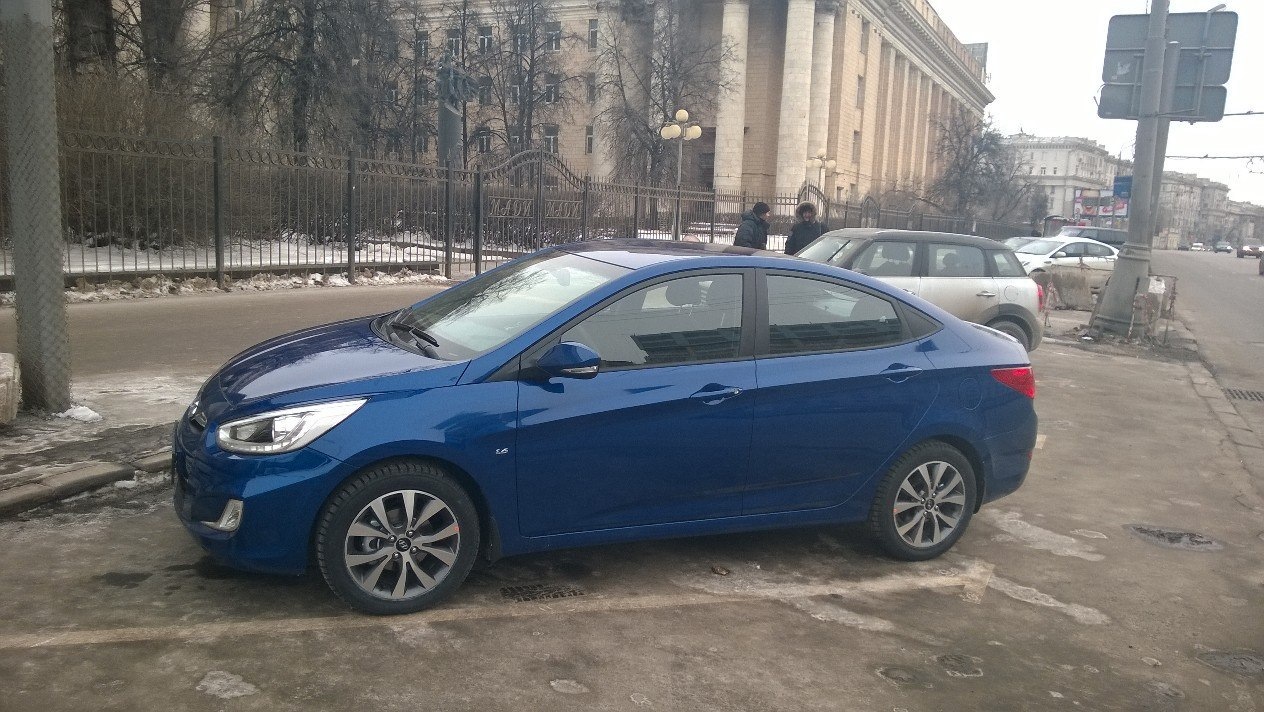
[[137, 206]]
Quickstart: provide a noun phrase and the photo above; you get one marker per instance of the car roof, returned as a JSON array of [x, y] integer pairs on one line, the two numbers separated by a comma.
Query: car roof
[[874, 233], [634, 253]]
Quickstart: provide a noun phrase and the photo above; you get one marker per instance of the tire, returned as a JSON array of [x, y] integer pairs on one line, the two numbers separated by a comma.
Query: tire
[[896, 531], [401, 568], [1011, 328]]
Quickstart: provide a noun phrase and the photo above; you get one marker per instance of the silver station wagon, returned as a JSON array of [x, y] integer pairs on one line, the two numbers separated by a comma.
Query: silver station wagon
[[976, 279]]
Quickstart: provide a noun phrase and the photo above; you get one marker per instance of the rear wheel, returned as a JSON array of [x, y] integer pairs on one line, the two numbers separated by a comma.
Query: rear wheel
[[1011, 328], [924, 503], [398, 538]]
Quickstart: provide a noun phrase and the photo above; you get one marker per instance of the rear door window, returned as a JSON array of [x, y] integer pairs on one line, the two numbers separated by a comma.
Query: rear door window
[[810, 316], [1006, 264], [955, 261]]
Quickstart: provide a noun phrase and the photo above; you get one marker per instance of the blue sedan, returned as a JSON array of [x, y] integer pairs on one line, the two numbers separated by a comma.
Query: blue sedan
[[601, 392]]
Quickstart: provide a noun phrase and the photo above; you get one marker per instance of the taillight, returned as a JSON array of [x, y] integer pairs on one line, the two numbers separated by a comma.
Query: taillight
[[1021, 379], [1040, 297]]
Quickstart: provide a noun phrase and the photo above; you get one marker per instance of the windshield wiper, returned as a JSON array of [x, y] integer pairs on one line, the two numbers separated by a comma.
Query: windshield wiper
[[431, 345]]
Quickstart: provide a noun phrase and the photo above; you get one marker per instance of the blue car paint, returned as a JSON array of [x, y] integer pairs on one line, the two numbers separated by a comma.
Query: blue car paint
[[502, 435]]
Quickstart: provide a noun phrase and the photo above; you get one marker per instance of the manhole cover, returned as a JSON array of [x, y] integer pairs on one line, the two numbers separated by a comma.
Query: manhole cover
[[1175, 539], [1239, 663], [540, 592], [1239, 394]]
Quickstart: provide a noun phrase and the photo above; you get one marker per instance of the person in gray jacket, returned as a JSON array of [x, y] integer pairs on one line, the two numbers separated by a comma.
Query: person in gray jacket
[[753, 232]]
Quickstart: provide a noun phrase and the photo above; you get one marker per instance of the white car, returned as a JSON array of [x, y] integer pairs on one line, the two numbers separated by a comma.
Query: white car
[[1039, 255]]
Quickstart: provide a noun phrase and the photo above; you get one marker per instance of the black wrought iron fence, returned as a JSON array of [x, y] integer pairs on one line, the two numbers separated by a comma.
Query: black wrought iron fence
[[137, 206]]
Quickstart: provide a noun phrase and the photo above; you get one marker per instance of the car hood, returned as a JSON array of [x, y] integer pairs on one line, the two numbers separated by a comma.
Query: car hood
[[319, 362]]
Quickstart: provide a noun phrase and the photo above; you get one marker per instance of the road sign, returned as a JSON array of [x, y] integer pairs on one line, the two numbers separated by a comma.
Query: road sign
[[1206, 57], [1206, 47], [1122, 101], [1123, 187]]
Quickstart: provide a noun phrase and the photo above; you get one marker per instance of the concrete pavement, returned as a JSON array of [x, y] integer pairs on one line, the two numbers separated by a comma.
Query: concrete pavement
[[1127, 574]]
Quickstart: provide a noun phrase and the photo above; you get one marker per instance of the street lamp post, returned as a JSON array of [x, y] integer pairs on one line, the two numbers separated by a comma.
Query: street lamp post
[[821, 161], [679, 130]]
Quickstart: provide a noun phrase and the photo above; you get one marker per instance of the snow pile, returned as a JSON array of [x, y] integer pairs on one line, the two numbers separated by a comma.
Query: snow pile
[[81, 413]]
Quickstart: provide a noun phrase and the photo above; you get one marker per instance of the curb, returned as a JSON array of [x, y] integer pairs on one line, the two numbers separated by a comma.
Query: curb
[[61, 482]]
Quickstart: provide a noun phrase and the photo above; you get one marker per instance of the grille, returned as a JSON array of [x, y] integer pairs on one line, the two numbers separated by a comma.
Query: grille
[[539, 592], [1239, 394]]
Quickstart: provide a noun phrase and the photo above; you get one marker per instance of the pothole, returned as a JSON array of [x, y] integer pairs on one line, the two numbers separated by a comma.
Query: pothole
[[1175, 539], [901, 677], [1238, 663], [956, 665]]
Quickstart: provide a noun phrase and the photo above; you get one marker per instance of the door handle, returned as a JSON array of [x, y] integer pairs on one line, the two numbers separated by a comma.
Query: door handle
[[986, 293], [715, 397], [899, 373]]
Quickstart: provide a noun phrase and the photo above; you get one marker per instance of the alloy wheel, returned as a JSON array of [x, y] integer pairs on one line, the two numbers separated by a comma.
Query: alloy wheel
[[929, 504], [402, 544]]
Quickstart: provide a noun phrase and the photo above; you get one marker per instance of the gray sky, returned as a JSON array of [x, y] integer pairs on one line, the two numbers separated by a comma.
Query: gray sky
[[1045, 67]]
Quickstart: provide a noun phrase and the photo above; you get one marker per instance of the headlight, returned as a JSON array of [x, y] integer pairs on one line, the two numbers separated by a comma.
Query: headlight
[[284, 430]]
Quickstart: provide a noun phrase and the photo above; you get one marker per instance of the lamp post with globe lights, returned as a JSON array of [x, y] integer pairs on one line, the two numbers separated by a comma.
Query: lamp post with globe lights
[[821, 161], [679, 130]]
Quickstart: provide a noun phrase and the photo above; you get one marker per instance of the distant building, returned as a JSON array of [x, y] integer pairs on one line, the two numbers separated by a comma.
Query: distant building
[[1191, 209], [1060, 165]]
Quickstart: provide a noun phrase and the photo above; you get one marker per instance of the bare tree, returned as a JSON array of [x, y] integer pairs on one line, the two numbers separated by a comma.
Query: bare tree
[[652, 63], [982, 176]]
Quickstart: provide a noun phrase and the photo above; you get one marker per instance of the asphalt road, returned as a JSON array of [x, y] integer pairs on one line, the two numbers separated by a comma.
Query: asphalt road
[[194, 335], [1221, 299]]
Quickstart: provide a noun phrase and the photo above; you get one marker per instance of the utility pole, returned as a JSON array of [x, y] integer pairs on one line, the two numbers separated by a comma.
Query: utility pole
[[1132, 269], [26, 41]]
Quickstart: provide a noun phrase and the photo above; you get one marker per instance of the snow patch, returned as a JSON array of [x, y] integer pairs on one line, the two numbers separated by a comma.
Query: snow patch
[[81, 413], [1038, 538], [1026, 594], [225, 685]]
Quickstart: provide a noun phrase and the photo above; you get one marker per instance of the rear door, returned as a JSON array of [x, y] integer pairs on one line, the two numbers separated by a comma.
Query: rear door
[[842, 384], [957, 280], [893, 261], [1098, 256]]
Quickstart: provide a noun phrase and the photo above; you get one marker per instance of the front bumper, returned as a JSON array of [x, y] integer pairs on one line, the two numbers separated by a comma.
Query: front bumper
[[280, 496]]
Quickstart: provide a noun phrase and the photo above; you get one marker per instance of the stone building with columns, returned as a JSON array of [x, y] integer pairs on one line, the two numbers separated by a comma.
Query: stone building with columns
[[862, 80]]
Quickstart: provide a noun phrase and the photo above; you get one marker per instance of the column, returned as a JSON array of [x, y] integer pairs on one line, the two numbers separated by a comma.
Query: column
[[602, 165], [796, 96], [730, 121], [822, 81]]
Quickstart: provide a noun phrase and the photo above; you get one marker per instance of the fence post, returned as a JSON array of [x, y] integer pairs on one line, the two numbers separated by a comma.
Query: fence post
[[449, 221], [714, 207], [353, 213], [583, 210], [478, 221], [636, 210], [539, 201], [217, 208]]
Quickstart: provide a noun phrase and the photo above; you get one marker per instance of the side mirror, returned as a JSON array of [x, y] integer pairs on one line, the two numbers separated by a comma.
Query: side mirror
[[1059, 255], [570, 359]]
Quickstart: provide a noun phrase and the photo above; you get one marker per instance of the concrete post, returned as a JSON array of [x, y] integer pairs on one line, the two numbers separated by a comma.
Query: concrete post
[[796, 96], [26, 41], [1132, 269], [822, 82], [730, 121]]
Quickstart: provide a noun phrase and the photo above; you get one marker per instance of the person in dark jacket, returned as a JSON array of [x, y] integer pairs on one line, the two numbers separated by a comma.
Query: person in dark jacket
[[804, 231], [753, 232]]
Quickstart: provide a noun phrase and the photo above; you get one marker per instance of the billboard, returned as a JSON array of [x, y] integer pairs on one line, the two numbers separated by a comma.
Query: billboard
[[1093, 203]]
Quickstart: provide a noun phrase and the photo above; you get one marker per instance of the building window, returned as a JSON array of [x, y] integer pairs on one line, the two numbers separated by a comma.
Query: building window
[[591, 83], [514, 135], [552, 89], [860, 92], [550, 138], [1055, 170], [483, 138], [852, 192], [590, 139], [484, 91], [454, 43], [592, 34], [1043, 170], [485, 39], [515, 93], [864, 36], [521, 40], [855, 147], [553, 37], [421, 44]]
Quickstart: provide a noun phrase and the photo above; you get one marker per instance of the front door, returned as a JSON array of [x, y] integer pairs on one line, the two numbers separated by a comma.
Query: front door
[[841, 387], [892, 261], [662, 433]]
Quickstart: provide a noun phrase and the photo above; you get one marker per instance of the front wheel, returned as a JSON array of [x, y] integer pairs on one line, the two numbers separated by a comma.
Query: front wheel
[[924, 502], [398, 538]]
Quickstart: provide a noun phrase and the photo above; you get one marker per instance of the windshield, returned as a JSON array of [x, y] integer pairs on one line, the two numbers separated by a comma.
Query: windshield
[[1071, 231], [485, 312], [831, 249], [1040, 247]]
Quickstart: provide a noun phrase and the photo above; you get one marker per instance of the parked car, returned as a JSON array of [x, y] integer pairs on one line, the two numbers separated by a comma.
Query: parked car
[[1014, 243], [1042, 254], [1105, 235], [1250, 248], [603, 392], [1222, 247], [973, 278], [1198, 247], [1183, 247]]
